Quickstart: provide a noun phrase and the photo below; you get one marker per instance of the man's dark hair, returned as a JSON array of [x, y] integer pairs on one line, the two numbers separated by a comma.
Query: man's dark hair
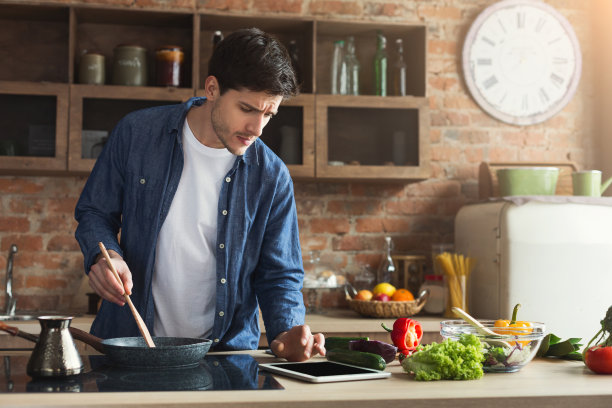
[[251, 59]]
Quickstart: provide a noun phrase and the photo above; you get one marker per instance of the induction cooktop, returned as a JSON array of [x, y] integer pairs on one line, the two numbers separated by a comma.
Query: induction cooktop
[[215, 373]]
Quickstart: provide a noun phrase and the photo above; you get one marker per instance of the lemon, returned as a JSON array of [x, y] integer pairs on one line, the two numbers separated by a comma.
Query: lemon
[[384, 287]]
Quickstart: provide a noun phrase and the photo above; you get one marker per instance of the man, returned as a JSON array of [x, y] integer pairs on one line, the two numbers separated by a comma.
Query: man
[[205, 212]]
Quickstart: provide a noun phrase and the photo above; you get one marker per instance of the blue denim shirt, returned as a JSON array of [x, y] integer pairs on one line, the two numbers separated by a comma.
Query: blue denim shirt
[[259, 259]]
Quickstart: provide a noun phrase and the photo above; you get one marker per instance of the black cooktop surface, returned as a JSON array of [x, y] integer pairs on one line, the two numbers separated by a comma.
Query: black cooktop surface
[[215, 373]]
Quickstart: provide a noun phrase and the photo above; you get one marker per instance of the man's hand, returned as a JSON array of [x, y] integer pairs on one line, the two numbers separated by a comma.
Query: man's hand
[[102, 280], [298, 344]]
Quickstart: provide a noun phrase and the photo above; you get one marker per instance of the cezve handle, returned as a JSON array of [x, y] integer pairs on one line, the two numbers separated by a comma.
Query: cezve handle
[[141, 324]]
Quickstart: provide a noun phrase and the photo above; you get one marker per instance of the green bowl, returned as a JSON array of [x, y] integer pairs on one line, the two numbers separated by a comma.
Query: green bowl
[[527, 181]]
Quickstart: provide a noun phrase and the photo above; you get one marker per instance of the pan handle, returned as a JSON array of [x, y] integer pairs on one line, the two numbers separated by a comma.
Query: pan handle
[[87, 338], [16, 332]]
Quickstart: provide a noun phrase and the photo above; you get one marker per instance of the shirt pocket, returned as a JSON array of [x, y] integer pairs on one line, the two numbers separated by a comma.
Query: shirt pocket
[[142, 197]]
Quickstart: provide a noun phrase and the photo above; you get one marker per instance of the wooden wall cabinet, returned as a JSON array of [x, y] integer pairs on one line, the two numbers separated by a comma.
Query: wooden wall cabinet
[[45, 107]]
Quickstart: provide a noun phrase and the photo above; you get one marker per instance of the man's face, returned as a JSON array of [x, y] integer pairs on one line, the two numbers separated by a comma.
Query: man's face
[[238, 117]]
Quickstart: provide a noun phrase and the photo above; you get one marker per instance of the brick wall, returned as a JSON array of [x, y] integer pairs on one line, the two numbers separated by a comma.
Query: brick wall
[[345, 221]]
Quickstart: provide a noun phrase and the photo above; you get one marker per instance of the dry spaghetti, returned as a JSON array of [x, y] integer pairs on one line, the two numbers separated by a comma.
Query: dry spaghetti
[[457, 269]]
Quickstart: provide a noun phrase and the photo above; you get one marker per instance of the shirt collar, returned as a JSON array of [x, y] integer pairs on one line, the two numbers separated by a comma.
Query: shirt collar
[[251, 156]]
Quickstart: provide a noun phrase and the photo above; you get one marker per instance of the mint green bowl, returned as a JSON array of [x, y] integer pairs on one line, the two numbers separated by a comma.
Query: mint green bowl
[[527, 181]]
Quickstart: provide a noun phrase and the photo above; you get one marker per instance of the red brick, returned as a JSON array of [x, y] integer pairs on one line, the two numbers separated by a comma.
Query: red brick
[[411, 206], [62, 205], [38, 302], [368, 224], [165, 4], [354, 243], [371, 260], [63, 243], [313, 243], [286, 6], [20, 205], [329, 225], [441, 47], [450, 119], [439, 13], [471, 136], [435, 188], [314, 206], [500, 154], [459, 102], [474, 154], [377, 190], [330, 7], [441, 83], [46, 282], [19, 186], [14, 224], [445, 152], [386, 9], [24, 242], [234, 5], [57, 223], [367, 207]]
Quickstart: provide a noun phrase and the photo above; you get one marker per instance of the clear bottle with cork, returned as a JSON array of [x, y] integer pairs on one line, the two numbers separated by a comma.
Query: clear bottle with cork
[[351, 63], [336, 67], [386, 269], [380, 66], [399, 70]]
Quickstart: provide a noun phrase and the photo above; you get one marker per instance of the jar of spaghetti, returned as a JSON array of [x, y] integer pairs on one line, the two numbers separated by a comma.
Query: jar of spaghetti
[[169, 63]]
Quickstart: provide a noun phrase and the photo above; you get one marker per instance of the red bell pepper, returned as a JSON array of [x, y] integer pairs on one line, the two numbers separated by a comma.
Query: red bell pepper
[[406, 334]]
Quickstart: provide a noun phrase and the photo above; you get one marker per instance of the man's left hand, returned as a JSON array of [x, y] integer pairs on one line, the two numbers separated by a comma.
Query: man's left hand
[[298, 344]]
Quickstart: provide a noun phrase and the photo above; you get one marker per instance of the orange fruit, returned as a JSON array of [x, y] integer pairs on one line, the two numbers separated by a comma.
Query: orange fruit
[[364, 295], [384, 287], [402, 295]]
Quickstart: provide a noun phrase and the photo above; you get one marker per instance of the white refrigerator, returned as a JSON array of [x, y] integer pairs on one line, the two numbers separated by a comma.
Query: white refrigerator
[[551, 255]]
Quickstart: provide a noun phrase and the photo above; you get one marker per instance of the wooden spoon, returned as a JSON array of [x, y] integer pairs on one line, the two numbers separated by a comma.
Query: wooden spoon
[[141, 324], [479, 327]]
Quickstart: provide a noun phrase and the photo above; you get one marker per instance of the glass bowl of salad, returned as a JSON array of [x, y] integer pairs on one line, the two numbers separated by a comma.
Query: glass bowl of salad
[[507, 350]]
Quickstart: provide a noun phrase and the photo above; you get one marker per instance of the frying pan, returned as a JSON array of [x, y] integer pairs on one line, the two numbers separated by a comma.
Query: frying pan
[[133, 352]]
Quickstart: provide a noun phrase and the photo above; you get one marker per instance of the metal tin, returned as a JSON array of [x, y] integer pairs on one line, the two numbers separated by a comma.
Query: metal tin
[[130, 65], [91, 69]]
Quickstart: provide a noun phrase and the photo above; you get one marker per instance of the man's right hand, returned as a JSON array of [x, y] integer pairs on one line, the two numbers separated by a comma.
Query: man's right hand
[[102, 280]]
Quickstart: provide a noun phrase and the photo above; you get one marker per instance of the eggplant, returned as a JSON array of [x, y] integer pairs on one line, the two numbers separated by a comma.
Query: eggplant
[[385, 350]]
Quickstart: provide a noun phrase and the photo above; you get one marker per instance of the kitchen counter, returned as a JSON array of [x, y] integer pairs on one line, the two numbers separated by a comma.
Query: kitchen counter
[[340, 322], [543, 383]]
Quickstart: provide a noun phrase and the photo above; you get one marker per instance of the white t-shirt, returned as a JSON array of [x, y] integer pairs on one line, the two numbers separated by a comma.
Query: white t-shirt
[[184, 279]]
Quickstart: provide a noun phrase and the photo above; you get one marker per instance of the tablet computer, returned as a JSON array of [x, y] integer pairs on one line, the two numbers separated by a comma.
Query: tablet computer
[[324, 371]]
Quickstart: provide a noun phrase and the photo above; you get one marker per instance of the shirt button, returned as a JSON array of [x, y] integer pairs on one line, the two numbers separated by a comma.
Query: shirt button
[[224, 212], [142, 181], [223, 280], [216, 363], [216, 340], [221, 246], [228, 179], [221, 313]]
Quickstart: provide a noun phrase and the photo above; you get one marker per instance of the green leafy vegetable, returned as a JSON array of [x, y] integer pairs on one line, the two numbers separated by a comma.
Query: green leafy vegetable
[[449, 360], [554, 346]]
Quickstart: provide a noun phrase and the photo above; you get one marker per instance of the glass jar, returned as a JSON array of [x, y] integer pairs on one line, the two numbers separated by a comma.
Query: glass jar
[[169, 64], [437, 295]]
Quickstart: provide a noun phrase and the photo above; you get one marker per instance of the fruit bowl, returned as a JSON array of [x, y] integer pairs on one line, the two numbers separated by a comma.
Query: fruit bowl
[[388, 309], [508, 351]]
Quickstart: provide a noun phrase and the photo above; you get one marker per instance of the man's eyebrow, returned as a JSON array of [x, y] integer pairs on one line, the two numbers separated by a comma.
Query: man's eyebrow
[[247, 105]]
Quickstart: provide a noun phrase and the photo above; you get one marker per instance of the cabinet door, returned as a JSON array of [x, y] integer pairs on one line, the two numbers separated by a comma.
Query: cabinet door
[[34, 121], [370, 137], [95, 110]]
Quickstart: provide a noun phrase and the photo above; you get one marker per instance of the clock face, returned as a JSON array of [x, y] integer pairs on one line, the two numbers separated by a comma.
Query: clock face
[[521, 61]]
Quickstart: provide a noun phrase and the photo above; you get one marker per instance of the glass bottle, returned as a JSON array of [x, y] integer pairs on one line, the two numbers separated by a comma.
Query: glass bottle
[[399, 70], [380, 66], [386, 269], [336, 68], [295, 60], [352, 69]]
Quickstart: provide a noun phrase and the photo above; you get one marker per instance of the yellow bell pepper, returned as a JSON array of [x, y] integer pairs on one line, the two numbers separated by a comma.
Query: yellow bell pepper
[[513, 327]]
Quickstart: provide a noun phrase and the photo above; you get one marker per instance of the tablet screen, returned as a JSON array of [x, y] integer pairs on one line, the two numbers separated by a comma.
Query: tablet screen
[[324, 371]]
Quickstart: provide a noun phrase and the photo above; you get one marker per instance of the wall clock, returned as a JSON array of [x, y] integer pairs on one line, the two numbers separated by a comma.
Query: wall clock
[[521, 61]]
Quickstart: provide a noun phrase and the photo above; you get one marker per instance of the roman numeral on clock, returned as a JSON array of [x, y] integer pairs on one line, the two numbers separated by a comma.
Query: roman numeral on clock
[[557, 80], [543, 95], [491, 81], [540, 24], [520, 19]]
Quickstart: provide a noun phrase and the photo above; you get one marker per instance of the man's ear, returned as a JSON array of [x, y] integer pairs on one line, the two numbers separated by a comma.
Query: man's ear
[[211, 88]]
